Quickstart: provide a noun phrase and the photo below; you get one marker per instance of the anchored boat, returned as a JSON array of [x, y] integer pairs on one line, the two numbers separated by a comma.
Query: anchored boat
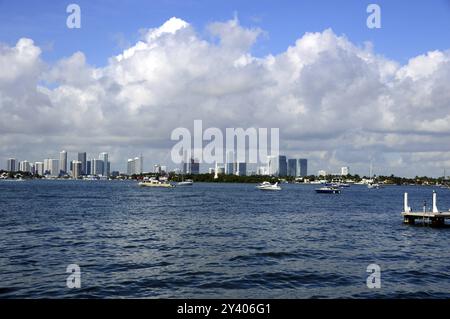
[[155, 183], [328, 190]]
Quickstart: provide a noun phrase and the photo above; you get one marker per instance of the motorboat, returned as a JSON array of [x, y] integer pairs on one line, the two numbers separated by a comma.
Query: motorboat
[[188, 182], [266, 186], [328, 190], [155, 183]]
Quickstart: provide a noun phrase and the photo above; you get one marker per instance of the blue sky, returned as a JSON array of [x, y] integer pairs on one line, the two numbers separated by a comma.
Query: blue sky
[[409, 28]]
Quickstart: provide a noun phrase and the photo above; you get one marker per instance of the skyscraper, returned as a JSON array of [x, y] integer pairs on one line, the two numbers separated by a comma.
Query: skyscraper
[[39, 168], [63, 162], [82, 159], [51, 167], [195, 167], [230, 163], [292, 168], [241, 169], [272, 166], [303, 167], [104, 158], [11, 165], [76, 169], [131, 167], [282, 165], [24, 166], [97, 167]]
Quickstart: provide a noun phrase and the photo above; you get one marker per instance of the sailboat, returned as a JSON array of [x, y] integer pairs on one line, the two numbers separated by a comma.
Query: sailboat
[[372, 184]]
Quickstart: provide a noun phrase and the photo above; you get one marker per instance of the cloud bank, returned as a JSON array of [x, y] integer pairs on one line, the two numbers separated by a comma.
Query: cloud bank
[[336, 103]]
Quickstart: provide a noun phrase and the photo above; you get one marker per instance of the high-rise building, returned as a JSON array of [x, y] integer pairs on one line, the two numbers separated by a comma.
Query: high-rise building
[[277, 165], [157, 169], [241, 169], [292, 168], [25, 166], [135, 166], [51, 167], [302, 167], [39, 168], [139, 165], [104, 157], [97, 167], [76, 169], [11, 165], [131, 167], [89, 167], [63, 162], [195, 167], [283, 165], [83, 159], [345, 171], [230, 164]]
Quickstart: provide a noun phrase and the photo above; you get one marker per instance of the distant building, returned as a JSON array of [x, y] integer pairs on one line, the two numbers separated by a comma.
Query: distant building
[[302, 166], [88, 167], [191, 167], [39, 168], [83, 159], [76, 169], [292, 168], [63, 162], [51, 167], [277, 166], [230, 164], [97, 167], [241, 169], [131, 168], [211, 170], [345, 171], [157, 169], [11, 165], [25, 166], [262, 170], [322, 173], [135, 166], [195, 167], [104, 158]]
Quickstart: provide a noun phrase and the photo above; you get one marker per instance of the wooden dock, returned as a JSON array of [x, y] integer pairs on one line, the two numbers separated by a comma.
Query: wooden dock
[[433, 218]]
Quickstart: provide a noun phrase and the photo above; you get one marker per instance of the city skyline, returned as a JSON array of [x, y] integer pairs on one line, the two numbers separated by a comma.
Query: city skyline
[[341, 94]]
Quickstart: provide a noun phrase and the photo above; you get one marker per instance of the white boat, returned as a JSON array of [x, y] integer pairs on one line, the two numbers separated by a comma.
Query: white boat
[[266, 186], [155, 183], [188, 182], [373, 186]]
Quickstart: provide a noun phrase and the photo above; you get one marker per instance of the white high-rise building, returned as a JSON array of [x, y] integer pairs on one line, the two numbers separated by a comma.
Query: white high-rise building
[[345, 171], [63, 162], [139, 165], [25, 166], [51, 167], [39, 168]]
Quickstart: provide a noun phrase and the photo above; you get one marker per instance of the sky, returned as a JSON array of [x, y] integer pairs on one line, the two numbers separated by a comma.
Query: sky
[[342, 94]]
